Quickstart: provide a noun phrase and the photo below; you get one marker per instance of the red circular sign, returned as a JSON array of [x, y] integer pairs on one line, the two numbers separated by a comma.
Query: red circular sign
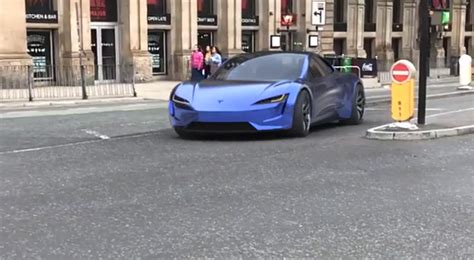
[[401, 72]]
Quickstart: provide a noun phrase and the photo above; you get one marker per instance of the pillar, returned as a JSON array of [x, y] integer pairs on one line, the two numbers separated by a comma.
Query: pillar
[[383, 40], [134, 38], [183, 36], [68, 33], [410, 40], [355, 29], [229, 31], [458, 34], [13, 48], [270, 16]]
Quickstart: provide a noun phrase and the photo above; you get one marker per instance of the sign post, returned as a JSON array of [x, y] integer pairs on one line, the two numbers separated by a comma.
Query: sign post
[[424, 68], [402, 91]]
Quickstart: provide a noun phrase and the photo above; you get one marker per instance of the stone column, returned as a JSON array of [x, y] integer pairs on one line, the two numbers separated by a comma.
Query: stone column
[[410, 42], [383, 40], [355, 29], [13, 48], [134, 38], [183, 36], [68, 33], [229, 31], [458, 34], [270, 16]]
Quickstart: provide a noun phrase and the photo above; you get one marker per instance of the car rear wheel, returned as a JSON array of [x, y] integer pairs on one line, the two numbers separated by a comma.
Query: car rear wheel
[[302, 115], [358, 108]]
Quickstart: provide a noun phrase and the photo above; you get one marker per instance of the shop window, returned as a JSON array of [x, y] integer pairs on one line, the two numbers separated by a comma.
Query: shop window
[[369, 47], [205, 7], [157, 49], [40, 11], [206, 14], [156, 10], [248, 41], [40, 48], [103, 10], [286, 6], [249, 8]]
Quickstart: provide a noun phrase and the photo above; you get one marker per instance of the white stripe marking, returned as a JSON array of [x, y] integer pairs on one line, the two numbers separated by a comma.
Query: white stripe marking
[[400, 73], [96, 134]]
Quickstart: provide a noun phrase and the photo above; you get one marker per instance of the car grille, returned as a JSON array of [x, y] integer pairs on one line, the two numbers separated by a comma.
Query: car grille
[[221, 127]]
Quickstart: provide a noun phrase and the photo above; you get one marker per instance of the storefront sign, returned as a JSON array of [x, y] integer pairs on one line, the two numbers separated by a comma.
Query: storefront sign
[[159, 19], [103, 10], [250, 21], [207, 20], [40, 11], [44, 17], [368, 67]]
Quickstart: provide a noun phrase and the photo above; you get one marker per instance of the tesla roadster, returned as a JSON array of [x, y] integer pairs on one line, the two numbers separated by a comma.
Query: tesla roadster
[[267, 91]]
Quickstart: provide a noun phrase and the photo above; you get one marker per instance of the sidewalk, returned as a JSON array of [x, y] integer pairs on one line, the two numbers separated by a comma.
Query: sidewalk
[[445, 124], [160, 90]]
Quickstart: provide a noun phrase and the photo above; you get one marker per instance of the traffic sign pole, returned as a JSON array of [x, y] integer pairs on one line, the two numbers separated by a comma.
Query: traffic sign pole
[[424, 60]]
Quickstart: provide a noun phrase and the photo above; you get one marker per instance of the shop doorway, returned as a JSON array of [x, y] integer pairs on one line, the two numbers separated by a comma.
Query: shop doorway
[[205, 38], [104, 39]]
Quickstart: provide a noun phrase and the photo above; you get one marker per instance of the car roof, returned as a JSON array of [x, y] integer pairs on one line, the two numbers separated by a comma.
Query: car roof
[[263, 53]]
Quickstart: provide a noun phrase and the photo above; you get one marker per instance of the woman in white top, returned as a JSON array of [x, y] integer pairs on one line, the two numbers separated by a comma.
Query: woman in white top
[[216, 59]]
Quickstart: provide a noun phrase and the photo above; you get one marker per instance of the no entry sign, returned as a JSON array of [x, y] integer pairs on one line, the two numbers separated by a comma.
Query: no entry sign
[[402, 71]]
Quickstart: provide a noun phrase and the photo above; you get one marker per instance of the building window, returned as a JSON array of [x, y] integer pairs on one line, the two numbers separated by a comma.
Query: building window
[[339, 46], [103, 10], [157, 49], [249, 8], [286, 6], [156, 7], [369, 21], [156, 12], [205, 7], [397, 48], [40, 11], [339, 11], [40, 48], [468, 12], [397, 11], [248, 41], [369, 47]]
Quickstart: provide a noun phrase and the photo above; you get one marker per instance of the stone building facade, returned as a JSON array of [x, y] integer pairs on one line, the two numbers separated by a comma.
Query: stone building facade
[[158, 35]]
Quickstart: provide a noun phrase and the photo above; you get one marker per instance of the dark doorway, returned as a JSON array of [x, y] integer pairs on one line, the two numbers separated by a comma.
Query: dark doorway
[[205, 38]]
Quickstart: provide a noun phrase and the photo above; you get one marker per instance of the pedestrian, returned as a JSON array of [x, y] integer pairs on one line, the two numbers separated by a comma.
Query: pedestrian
[[216, 59], [197, 62], [207, 62]]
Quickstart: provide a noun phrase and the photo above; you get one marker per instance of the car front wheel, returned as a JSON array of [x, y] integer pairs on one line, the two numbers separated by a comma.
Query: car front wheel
[[302, 115]]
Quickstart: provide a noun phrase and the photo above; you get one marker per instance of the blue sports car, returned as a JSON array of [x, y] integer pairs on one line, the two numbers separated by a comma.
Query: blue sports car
[[267, 91]]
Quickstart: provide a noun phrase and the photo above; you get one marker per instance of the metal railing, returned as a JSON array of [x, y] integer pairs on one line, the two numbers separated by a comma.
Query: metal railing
[[49, 82], [349, 69]]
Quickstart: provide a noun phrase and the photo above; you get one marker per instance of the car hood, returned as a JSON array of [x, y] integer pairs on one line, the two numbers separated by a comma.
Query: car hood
[[214, 95]]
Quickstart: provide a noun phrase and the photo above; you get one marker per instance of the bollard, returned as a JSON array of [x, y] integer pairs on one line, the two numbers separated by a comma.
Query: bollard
[[403, 92], [465, 72]]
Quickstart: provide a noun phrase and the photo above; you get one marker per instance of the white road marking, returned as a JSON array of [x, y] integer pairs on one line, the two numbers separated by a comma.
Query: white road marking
[[74, 144], [387, 109], [452, 112], [96, 134]]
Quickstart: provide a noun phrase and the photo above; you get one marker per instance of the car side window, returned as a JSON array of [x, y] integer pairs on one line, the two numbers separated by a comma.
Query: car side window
[[324, 67], [314, 69]]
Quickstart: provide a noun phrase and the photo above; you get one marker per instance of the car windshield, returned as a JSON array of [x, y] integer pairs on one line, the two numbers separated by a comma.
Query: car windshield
[[268, 67]]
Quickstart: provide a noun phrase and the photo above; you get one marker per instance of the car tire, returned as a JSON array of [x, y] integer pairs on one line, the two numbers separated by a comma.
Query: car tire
[[184, 134], [358, 107], [301, 115]]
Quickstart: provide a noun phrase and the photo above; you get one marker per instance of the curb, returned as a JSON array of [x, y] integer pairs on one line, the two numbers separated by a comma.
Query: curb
[[377, 134], [434, 96], [69, 102]]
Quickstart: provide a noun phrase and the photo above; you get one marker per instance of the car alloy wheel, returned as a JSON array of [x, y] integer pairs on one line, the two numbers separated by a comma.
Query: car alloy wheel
[[306, 110], [360, 104]]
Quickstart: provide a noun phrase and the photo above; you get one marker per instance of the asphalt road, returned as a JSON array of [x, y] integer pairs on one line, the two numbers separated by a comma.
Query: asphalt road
[[116, 182]]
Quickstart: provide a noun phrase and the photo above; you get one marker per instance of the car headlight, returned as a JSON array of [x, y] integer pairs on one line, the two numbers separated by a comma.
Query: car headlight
[[275, 99], [180, 102]]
